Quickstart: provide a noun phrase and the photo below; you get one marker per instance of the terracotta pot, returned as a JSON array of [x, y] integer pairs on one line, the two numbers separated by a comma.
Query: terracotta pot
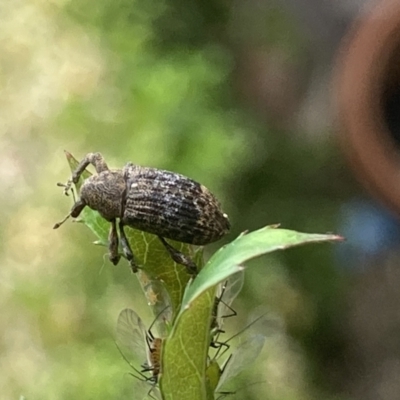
[[368, 93]]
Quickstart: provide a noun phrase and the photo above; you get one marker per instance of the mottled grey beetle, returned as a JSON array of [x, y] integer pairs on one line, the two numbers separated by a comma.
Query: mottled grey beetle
[[164, 203]]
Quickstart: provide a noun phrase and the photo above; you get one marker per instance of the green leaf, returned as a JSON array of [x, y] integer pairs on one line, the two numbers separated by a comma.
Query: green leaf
[[229, 259], [149, 253], [185, 351]]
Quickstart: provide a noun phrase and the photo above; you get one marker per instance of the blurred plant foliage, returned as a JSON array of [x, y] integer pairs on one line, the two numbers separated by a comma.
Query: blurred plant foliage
[[166, 101], [147, 82]]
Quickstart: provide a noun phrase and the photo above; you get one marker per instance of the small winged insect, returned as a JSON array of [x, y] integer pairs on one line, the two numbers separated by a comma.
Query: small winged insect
[[218, 377], [226, 294], [135, 341], [245, 355]]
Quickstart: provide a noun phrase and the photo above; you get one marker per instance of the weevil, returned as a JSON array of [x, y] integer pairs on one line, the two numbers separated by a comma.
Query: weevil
[[164, 203]]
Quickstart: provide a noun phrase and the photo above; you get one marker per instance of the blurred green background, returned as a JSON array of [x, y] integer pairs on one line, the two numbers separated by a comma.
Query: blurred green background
[[220, 91]]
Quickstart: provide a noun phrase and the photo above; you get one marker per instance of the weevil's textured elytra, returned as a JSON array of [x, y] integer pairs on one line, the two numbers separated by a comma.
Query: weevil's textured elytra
[[164, 203]]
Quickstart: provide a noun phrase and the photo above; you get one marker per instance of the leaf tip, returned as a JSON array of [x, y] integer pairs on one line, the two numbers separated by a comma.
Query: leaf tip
[[338, 238], [273, 226], [68, 155]]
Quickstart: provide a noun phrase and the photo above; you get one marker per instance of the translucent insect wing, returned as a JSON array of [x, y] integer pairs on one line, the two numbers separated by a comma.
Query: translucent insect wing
[[145, 390], [241, 358], [155, 394], [131, 336]]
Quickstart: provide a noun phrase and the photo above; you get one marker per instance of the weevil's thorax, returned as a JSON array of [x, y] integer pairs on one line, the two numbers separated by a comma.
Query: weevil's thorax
[[105, 193]]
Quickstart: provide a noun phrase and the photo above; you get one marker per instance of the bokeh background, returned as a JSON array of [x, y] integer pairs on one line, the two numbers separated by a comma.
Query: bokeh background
[[237, 95]]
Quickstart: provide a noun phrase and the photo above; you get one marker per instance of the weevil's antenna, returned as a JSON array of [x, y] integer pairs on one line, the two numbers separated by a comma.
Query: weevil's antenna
[[67, 187], [58, 224], [73, 194]]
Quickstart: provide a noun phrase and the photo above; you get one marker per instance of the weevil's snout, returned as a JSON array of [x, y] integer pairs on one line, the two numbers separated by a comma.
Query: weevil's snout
[[67, 188]]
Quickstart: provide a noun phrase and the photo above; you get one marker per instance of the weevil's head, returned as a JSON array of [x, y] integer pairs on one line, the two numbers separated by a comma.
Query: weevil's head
[[105, 193]]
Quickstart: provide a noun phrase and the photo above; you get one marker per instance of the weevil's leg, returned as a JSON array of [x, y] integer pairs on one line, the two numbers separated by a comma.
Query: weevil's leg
[[179, 257], [75, 211], [113, 243], [126, 248], [96, 159]]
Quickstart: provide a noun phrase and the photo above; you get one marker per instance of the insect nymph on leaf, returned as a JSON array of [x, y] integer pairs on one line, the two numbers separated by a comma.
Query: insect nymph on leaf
[[134, 340], [225, 295], [218, 375]]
